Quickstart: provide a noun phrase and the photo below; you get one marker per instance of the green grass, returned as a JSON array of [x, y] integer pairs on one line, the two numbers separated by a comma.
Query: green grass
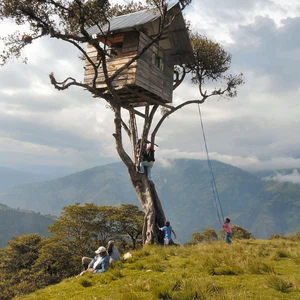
[[249, 269]]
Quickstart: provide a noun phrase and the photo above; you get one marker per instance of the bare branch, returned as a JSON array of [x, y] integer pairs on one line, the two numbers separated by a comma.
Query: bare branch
[[172, 111]]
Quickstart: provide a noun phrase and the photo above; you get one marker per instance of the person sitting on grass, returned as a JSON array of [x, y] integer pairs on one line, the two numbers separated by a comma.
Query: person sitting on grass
[[99, 264], [113, 252]]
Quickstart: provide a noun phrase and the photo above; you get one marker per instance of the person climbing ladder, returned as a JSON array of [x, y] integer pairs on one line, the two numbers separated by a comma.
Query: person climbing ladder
[[147, 161]]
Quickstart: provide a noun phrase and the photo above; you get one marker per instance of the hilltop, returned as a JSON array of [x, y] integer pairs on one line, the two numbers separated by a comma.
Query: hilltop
[[248, 269]]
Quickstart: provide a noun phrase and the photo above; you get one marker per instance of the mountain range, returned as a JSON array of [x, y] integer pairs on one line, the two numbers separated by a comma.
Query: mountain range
[[262, 207], [10, 178]]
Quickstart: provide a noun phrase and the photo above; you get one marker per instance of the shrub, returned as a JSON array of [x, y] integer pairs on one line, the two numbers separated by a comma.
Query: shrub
[[276, 236], [209, 234], [85, 282], [241, 233]]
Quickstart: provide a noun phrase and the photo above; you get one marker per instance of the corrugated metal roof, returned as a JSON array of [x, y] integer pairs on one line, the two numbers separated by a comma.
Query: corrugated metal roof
[[130, 20]]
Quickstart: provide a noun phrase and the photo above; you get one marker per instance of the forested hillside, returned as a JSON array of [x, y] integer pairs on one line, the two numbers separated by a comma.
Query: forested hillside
[[14, 222], [263, 207]]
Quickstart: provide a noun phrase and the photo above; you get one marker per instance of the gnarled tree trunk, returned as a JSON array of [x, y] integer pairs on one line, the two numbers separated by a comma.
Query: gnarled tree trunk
[[150, 202], [144, 189]]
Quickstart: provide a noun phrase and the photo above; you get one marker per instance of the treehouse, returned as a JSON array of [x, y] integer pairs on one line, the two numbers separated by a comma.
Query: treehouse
[[150, 77]]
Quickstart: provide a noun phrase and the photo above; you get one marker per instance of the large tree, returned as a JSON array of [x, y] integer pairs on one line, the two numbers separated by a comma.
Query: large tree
[[69, 21]]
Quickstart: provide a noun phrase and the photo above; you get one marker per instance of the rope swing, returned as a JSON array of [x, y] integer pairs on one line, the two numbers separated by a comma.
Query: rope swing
[[217, 202]]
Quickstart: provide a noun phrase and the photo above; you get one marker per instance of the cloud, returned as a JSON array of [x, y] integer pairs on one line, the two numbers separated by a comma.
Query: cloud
[[294, 177], [257, 130]]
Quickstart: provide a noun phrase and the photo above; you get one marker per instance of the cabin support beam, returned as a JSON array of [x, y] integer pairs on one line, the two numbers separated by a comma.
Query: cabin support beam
[[147, 98], [130, 108]]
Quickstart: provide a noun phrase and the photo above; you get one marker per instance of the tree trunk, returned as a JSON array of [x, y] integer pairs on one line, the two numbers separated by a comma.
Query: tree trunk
[[144, 189], [150, 202]]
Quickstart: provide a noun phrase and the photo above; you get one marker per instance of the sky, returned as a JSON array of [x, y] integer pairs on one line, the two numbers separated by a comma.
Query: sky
[[44, 130]]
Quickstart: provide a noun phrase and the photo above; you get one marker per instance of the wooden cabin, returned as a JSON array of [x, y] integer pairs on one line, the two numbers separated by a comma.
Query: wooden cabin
[[150, 78]]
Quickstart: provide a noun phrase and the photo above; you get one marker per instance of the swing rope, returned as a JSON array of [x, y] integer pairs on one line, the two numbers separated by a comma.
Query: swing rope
[[217, 202]]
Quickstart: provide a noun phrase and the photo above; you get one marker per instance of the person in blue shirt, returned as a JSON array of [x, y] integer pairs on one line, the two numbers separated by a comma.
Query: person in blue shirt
[[99, 263], [167, 229]]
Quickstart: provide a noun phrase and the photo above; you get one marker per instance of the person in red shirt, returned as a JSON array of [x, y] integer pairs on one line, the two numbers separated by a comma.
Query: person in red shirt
[[228, 231]]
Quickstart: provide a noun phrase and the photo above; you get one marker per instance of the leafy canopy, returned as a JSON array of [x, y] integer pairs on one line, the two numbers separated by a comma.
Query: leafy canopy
[[63, 19]]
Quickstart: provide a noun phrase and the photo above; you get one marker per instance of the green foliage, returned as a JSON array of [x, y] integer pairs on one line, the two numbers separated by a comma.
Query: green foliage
[[196, 238], [130, 220], [76, 233], [56, 261], [83, 228], [210, 57], [16, 268], [128, 8], [208, 235], [238, 232], [295, 237], [211, 63], [276, 236]]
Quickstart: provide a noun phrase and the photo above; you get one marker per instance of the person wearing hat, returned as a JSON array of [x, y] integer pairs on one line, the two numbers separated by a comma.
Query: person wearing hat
[[99, 263]]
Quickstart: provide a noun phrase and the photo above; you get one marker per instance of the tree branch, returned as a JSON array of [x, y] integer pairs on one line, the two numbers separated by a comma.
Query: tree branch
[[175, 109]]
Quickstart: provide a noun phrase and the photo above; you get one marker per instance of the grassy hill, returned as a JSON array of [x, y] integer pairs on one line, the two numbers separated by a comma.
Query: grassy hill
[[247, 269], [264, 208], [14, 222]]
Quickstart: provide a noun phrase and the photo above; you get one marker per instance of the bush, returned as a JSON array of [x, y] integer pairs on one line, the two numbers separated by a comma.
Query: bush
[[276, 236], [241, 233]]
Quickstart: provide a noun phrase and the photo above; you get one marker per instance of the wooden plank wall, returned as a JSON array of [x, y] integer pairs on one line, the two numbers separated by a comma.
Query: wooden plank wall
[[127, 77], [150, 77], [142, 76]]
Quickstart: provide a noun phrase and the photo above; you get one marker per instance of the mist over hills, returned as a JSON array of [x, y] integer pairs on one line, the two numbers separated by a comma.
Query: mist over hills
[[10, 178], [262, 207]]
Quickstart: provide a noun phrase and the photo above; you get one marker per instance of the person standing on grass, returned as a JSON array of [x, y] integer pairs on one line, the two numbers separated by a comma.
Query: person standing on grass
[[167, 229], [228, 231]]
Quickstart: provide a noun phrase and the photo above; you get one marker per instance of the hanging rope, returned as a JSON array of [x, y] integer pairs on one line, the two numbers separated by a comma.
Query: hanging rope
[[211, 173]]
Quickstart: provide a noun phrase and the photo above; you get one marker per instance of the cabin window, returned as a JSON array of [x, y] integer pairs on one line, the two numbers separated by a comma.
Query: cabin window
[[158, 58]]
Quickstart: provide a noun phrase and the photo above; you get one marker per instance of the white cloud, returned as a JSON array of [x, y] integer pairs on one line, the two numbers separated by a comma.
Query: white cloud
[[293, 177], [255, 131]]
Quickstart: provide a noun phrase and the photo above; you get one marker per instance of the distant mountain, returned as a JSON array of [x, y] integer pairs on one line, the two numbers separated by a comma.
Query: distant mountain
[[271, 173], [105, 185], [277, 212], [14, 222], [11, 178], [185, 192]]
